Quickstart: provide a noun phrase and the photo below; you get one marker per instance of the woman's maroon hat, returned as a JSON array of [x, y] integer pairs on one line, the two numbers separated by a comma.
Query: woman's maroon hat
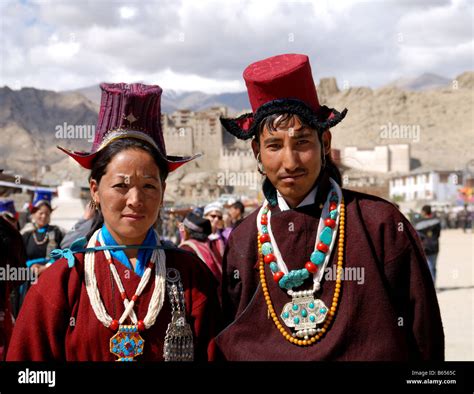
[[129, 111], [281, 84]]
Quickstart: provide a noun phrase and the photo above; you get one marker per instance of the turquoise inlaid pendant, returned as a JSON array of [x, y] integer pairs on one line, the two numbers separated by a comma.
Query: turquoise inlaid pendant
[[127, 343], [303, 314]]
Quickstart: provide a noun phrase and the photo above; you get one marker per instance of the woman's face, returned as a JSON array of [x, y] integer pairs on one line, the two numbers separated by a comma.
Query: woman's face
[[42, 216], [129, 195]]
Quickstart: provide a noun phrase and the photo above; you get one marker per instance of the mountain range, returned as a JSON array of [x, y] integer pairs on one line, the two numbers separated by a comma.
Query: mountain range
[[442, 109], [237, 102]]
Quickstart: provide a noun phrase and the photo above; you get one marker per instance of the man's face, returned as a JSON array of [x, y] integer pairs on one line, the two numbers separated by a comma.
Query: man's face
[[234, 213], [215, 217], [291, 157]]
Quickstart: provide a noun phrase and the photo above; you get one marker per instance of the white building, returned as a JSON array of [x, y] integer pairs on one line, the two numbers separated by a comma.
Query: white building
[[426, 186], [382, 158], [69, 207]]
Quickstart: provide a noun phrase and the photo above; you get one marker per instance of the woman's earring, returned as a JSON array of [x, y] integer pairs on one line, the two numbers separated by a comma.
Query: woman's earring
[[94, 205], [260, 167]]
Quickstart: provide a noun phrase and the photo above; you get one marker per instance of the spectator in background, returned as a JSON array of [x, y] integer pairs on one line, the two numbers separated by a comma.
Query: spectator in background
[[194, 233], [8, 211], [214, 212], [429, 229], [236, 212], [12, 255], [464, 219], [41, 238]]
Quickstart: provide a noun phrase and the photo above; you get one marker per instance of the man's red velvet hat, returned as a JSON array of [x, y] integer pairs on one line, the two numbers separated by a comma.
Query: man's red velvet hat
[[129, 111], [281, 84]]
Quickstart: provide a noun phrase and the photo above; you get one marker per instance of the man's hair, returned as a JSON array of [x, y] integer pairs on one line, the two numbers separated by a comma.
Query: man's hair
[[426, 209], [238, 205]]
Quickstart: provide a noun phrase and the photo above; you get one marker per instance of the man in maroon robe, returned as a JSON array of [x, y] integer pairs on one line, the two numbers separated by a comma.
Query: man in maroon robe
[[387, 307]]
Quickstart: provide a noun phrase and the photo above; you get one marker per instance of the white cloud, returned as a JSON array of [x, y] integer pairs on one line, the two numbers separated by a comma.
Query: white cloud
[[206, 45], [127, 12]]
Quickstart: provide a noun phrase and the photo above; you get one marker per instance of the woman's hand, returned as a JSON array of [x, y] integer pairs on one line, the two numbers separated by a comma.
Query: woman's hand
[[38, 269]]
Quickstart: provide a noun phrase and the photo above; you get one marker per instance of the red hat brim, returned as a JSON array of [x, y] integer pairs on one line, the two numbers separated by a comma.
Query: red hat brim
[[85, 159]]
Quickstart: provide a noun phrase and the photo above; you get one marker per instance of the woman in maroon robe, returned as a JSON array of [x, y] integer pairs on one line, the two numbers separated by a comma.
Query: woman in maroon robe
[[141, 301], [371, 297]]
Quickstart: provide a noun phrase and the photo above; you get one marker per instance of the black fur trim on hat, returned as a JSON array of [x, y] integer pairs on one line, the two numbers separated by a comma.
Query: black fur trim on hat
[[318, 121], [233, 128]]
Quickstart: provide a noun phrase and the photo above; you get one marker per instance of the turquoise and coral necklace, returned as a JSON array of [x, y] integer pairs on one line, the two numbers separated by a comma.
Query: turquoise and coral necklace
[[305, 312]]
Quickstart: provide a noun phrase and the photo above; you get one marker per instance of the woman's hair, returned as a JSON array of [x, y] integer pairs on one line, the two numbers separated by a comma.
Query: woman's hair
[[273, 122], [36, 209], [105, 156]]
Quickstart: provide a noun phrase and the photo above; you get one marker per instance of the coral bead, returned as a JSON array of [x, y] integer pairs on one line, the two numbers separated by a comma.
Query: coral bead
[[277, 276], [264, 238], [332, 206], [264, 220], [114, 325], [330, 222], [311, 267], [269, 258], [141, 325], [322, 247]]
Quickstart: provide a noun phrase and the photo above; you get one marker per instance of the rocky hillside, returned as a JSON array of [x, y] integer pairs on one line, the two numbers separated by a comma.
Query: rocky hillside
[[437, 123], [32, 123]]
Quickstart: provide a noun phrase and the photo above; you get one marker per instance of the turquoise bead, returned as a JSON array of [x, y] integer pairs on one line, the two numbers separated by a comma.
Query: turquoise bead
[[274, 267], [326, 236], [286, 315], [312, 318], [267, 248], [311, 305], [333, 214], [295, 307], [264, 229], [296, 320], [293, 279], [317, 257], [304, 313], [322, 310]]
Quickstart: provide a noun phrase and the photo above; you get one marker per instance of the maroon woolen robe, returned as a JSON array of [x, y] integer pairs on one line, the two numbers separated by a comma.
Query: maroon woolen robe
[[393, 315], [57, 322]]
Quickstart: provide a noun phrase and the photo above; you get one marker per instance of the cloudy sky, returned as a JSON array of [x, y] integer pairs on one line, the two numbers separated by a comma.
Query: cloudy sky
[[205, 45]]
